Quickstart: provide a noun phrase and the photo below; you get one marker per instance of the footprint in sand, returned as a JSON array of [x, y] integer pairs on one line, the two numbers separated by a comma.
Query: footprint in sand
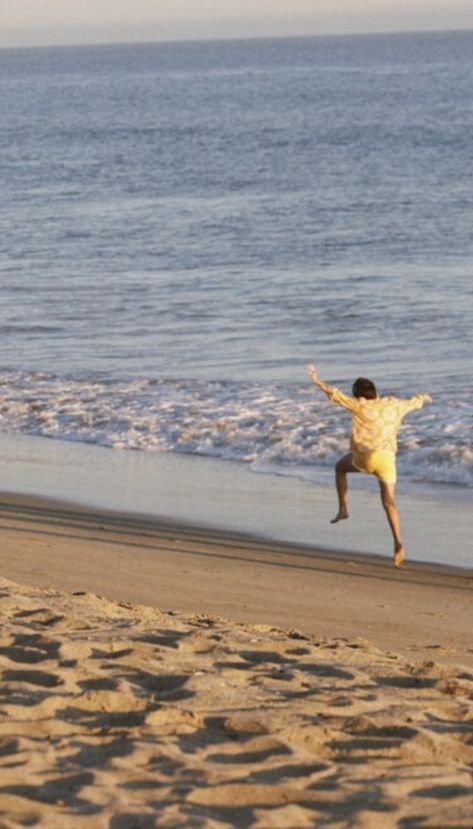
[[164, 639], [31, 648], [98, 653], [407, 681], [443, 792], [100, 684], [40, 617], [63, 790], [164, 686], [41, 678], [8, 746], [257, 657], [256, 750], [100, 755]]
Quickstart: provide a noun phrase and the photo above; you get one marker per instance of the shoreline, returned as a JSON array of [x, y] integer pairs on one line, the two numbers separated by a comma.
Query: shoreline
[[419, 610], [229, 497], [29, 507]]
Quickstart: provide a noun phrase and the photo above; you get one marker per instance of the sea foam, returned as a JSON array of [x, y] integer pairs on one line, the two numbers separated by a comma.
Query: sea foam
[[283, 428]]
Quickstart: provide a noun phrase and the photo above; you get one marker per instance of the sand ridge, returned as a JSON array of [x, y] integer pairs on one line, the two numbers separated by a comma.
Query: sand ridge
[[125, 717]]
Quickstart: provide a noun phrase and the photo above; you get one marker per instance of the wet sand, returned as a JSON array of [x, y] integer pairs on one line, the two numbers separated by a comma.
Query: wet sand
[[417, 609], [179, 489]]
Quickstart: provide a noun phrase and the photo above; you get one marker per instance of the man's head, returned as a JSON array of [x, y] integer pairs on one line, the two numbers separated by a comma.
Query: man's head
[[364, 388]]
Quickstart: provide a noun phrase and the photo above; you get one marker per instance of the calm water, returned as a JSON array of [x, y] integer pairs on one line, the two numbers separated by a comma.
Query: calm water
[[184, 226]]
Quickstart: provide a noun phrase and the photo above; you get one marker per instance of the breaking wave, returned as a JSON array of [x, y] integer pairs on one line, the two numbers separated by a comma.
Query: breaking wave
[[284, 428]]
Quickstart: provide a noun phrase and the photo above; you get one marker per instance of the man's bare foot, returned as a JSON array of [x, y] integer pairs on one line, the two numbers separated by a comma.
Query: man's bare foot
[[340, 516], [399, 556]]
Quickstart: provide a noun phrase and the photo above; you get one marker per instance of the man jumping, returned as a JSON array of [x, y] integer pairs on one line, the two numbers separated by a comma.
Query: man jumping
[[375, 424]]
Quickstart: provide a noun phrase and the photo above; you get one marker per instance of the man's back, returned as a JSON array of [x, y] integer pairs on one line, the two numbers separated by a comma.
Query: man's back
[[375, 423]]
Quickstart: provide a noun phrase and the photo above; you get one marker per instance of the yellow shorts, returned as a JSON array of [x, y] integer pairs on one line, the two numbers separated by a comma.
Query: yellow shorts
[[380, 463]]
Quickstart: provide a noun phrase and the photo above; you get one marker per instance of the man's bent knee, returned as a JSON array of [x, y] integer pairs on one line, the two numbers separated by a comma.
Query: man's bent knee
[[345, 465]]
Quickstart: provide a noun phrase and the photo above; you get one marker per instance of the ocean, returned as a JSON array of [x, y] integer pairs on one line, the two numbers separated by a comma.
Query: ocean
[[185, 225]]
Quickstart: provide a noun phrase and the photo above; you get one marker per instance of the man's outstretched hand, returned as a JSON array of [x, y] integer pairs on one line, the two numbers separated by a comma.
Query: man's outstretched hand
[[312, 372]]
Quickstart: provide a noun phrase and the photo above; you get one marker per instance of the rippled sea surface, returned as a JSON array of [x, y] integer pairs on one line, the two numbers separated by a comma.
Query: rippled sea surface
[[184, 226]]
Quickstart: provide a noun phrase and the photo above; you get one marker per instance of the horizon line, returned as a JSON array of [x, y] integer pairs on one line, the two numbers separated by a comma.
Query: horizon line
[[226, 39]]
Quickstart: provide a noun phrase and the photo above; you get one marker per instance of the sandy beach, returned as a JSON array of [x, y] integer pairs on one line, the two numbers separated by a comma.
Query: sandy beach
[[187, 638], [159, 675]]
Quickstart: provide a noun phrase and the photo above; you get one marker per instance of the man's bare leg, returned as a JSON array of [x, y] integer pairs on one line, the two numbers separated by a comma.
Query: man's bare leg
[[387, 499], [343, 466]]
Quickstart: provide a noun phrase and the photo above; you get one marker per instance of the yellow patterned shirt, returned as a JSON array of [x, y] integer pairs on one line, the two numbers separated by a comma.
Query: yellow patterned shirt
[[375, 423]]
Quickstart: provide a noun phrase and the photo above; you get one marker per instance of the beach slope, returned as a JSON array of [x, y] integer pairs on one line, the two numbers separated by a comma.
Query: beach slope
[[220, 681]]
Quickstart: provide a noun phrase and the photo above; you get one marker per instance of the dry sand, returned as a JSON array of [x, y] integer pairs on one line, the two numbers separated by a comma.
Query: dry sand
[[340, 695]]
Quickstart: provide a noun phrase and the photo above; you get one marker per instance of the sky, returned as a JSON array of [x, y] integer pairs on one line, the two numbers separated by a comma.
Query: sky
[[50, 22]]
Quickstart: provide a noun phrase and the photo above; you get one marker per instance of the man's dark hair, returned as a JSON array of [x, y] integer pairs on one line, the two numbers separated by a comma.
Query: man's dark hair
[[364, 388]]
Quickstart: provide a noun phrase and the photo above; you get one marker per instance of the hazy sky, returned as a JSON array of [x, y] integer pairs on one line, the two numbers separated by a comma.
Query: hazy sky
[[38, 22]]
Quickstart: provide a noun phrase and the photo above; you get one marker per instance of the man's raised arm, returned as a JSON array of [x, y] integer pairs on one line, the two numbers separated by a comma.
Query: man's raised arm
[[333, 394], [314, 376]]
